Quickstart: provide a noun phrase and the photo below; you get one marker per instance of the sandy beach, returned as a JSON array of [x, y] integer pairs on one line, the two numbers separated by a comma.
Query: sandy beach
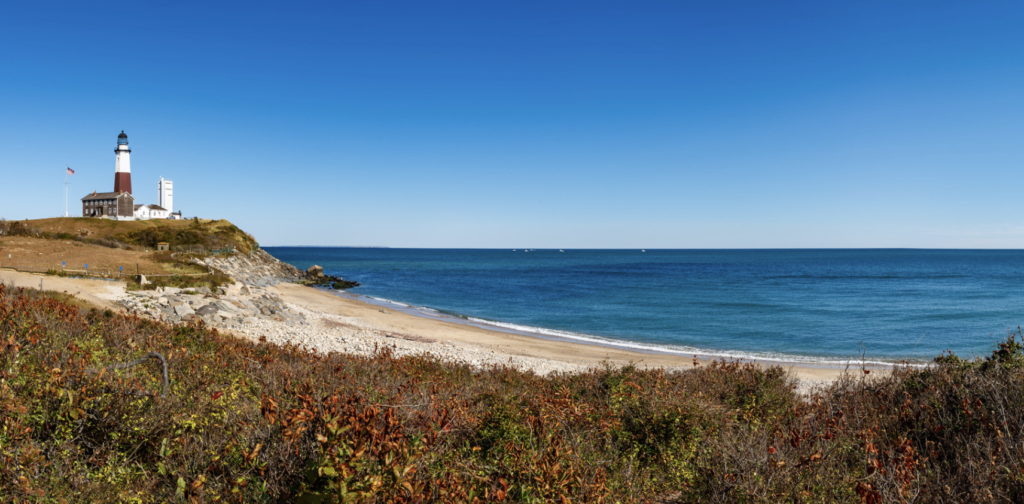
[[579, 354], [336, 323]]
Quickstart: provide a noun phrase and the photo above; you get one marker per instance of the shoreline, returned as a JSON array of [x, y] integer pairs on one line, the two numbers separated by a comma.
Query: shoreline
[[624, 345], [575, 354], [324, 321]]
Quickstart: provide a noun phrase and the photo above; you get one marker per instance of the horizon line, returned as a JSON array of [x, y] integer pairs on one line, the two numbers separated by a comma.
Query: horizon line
[[634, 248]]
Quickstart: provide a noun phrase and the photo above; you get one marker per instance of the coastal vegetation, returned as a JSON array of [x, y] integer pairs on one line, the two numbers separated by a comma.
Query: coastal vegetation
[[195, 235], [123, 249], [87, 415], [210, 281]]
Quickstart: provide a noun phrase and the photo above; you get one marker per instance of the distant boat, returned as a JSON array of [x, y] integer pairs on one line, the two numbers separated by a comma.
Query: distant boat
[[561, 251], [513, 250], [643, 251]]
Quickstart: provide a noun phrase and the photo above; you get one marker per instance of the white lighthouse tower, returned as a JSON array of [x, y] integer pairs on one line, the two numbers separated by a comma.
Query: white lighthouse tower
[[166, 198], [122, 165]]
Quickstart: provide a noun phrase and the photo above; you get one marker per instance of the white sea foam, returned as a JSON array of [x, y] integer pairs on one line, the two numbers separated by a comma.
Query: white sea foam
[[382, 300], [683, 350], [679, 349]]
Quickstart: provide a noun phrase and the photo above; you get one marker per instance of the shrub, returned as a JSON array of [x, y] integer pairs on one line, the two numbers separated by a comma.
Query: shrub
[[212, 281], [254, 422], [17, 228]]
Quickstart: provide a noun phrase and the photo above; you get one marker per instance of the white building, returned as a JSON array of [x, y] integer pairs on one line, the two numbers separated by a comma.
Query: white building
[[166, 198], [147, 212]]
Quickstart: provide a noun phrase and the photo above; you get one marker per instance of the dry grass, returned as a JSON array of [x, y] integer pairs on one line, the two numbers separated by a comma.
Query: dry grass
[[105, 228], [108, 246], [50, 254], [211, 234]]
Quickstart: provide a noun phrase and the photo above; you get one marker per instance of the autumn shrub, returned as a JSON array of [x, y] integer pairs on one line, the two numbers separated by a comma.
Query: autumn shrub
[[255, 422]]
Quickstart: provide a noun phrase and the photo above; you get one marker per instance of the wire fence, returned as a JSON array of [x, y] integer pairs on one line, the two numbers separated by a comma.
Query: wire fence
[[93, 273]]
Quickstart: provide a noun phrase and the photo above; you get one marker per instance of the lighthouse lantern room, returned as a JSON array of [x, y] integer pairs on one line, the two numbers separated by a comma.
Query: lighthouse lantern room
[[122, 165]]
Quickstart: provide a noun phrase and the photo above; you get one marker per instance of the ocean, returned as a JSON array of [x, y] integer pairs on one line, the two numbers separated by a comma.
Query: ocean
[[805, 306]]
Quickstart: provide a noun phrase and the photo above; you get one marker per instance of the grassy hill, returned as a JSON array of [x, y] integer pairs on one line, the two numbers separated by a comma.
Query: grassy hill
[[210, 234]]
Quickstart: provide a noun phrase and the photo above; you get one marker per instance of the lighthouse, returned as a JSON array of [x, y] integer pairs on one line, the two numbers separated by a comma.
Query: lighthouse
[[122, 165]]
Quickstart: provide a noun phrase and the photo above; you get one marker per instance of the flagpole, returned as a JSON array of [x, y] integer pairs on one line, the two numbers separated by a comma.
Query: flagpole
[[67, 171]]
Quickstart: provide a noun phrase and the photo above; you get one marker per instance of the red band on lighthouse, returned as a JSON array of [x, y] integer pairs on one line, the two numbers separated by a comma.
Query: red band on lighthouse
[[123, 182], [122, 165]]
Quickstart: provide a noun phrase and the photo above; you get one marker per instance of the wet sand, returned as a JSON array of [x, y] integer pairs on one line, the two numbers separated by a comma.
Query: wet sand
[[575, 354]]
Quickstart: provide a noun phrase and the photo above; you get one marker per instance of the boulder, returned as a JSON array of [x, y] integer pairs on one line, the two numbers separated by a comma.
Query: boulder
[[204, 291], [315, 271], [209, 309], [184, 310], [225, 306]]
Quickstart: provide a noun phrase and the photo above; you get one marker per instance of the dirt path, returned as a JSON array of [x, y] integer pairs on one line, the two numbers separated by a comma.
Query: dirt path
[[99, 292]]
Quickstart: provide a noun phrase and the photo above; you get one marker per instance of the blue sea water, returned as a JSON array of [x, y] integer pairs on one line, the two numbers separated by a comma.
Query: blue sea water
[[824, 306]]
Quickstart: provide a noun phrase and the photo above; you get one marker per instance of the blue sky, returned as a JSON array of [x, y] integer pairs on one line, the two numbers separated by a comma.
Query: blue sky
[[530, 124]]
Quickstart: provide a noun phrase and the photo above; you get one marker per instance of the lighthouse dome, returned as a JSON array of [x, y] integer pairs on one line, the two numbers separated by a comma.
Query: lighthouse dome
[[122, 139]]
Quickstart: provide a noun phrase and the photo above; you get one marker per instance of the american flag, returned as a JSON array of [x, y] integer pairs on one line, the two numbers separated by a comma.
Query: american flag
[[70, 171]]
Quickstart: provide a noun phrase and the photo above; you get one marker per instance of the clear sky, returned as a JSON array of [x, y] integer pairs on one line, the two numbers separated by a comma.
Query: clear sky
[[530, 124]]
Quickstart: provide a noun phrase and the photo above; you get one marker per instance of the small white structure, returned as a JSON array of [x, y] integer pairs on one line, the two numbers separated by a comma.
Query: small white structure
[[147, 212], [166, 197]]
